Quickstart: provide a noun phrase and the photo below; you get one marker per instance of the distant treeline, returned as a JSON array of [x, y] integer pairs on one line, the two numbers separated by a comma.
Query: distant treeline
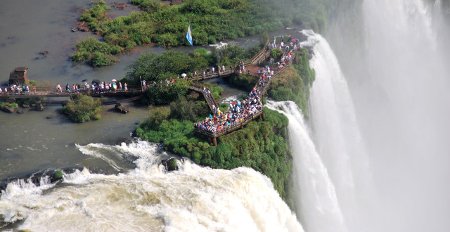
[[211, 21]]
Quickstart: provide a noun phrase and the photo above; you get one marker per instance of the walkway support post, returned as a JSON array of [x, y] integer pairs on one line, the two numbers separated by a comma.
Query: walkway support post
[[214, 140]]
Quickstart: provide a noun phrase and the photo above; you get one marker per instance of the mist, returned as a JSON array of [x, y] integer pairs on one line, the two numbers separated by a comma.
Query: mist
[[395, 57]]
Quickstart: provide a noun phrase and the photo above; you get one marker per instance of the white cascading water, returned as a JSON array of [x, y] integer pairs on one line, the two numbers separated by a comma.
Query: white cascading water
[[314, 193], [149, 199], [331, 173], [401, 94], [336, 131]]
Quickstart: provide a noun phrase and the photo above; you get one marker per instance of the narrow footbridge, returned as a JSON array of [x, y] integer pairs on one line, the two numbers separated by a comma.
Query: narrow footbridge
[[47, 92], [207, 95]]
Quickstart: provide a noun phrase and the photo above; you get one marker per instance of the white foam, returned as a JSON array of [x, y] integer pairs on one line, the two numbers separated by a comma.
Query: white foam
[[148, 199]]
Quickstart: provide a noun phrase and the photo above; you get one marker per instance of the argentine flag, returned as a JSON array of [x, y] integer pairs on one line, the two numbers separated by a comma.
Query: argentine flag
[[189, 36]]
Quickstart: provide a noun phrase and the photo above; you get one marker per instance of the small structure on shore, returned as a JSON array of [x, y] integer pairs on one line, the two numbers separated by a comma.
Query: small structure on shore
[[19, 76]]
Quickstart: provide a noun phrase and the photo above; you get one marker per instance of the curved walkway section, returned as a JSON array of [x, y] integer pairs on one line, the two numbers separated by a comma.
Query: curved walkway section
[[242, 112]]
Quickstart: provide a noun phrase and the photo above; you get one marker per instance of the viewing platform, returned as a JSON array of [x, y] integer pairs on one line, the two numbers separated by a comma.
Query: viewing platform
[[213, 130]]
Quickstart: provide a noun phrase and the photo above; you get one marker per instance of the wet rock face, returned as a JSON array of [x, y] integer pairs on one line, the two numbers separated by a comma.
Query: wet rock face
[[39, 107], [121, 108], [170, 164]]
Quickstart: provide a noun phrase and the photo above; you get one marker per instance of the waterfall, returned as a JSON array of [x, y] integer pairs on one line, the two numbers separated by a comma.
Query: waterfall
[[331, 173], [336, 131], [314, 192], [398, 76]]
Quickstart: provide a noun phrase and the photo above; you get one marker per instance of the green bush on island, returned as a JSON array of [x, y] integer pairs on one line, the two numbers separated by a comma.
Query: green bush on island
[[260, 145], [96, 53], [162, 94], [230, 55], [159, 67], [147, 5], [9, 107], [95, 15], [83, 108], [211, 21], [294, 82]]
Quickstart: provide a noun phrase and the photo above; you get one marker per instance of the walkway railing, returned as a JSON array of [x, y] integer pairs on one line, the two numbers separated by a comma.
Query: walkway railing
[[261, 87], [51, 92], [231, 128], [207, 95]]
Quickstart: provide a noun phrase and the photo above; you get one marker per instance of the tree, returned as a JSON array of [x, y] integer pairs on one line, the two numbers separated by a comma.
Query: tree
[[83, 108]]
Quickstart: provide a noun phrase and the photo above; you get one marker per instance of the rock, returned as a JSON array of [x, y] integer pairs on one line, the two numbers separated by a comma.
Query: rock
[[49, 117], [56, 176], [39, 107], [19, 111], [170, 164], [9, 109], [121, 108], [123, 140]]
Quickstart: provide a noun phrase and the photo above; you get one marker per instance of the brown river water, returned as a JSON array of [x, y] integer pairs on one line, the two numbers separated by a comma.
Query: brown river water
[[31, 142]]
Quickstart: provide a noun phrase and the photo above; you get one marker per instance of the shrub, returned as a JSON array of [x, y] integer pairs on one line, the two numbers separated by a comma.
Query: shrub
[[276, 53], [96, 15], [95, 53], [243, 81], [83, 108], [183, 109], [147, 5], [156, 116], [164, 94]]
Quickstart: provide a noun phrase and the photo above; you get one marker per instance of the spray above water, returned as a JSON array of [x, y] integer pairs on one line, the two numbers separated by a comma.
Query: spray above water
[[401, 94], [149, 199], [336, 132]]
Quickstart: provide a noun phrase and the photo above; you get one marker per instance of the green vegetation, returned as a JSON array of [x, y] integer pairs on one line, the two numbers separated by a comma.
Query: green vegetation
[[243, 81], [9, 107], [96, 15], [58, 175], [83, 108], [276, 53], [211, 21], [159, 67], [162, 71], [231, 55], [9, 104], [294, 83], [96, 53], [260, 145]]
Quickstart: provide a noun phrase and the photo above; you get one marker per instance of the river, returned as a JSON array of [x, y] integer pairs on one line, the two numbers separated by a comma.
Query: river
[[30, 142]]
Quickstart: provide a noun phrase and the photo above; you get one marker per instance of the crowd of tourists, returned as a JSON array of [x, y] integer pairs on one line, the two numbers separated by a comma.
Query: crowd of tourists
[[95, 87], [17, 89], [239, 111], [242, 111]]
